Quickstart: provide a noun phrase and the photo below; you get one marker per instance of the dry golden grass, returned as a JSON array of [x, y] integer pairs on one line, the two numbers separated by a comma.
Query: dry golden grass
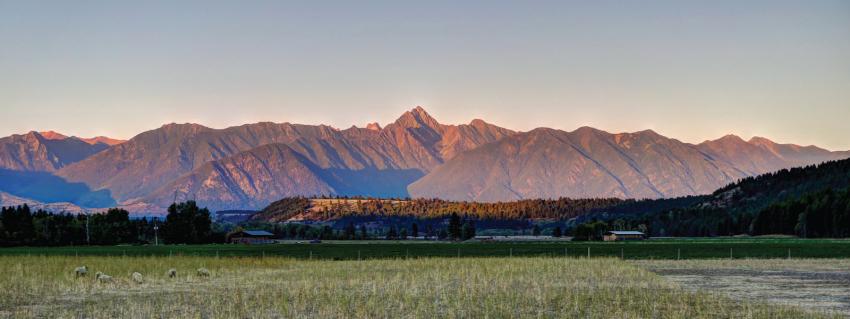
[[421, 288], [320, 204]]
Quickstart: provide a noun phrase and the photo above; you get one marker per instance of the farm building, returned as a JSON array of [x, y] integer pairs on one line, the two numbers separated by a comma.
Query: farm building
[[618, 235], [252, 237]]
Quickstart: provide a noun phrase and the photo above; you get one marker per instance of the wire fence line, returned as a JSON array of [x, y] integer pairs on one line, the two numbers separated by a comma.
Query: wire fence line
[[410, 251]]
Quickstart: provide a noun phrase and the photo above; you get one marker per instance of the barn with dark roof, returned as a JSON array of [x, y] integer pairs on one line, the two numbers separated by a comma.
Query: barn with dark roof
[[252, 237]]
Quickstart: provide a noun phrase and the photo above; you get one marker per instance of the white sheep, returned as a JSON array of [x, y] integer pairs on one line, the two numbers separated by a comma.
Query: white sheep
[[172, 273], [81, 271], [137, 277], [203, 272], [103, 278]]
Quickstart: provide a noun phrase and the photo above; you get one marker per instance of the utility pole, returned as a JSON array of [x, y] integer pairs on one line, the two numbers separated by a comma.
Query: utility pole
[[88, 237], [155, 232]]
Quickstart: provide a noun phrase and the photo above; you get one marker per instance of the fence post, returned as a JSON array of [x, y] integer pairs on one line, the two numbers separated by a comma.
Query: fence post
[[406, 253], [358, 255], [789, 253], [311, 255], [511, 252], [588, 251], [730, 253], [566, 254], [458, 253], [622, 256], [678, 253]]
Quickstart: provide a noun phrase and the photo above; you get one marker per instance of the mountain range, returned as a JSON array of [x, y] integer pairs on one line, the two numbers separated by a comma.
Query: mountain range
[[249, 166], [548, 163]]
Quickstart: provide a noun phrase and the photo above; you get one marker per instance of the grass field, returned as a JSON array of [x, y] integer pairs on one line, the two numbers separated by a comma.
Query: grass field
[[272, 287], [702, 248]]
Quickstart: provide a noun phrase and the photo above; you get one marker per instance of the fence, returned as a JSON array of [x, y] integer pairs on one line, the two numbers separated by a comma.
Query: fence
[[401, 250]]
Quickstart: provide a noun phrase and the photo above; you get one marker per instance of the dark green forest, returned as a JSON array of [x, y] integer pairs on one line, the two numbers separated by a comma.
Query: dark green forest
[[807, 201], [822, 214], [22, 226], [186, 223]]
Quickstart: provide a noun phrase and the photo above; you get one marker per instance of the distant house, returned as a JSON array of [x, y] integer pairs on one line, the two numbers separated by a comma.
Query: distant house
[[252, 237], [619, 235]]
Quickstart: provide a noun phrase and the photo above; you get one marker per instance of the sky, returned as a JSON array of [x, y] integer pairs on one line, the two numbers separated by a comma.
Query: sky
[[692, 70]]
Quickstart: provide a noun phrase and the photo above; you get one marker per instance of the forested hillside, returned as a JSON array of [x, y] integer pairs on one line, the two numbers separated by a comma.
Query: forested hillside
[[326, 209], [807, 201]]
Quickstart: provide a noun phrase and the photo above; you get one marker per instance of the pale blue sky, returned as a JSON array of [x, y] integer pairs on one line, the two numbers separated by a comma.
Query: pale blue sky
[[687, 69]]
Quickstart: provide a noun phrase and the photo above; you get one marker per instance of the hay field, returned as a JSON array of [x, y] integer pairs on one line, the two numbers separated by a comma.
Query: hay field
[[540, 287]]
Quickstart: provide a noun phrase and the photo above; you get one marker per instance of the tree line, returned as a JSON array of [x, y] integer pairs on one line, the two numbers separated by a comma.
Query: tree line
[[454, 227], [822, 214], [21, 226], [185, 223]]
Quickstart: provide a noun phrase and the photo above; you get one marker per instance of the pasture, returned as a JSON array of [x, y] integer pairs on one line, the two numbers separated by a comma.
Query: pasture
[[273, 287]]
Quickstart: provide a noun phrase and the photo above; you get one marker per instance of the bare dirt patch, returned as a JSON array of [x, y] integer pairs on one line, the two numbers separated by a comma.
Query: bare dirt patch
[[819, 285]]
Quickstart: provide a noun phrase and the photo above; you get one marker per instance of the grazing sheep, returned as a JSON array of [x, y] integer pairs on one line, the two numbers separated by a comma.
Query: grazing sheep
[[172, 273], [203, 272], [137, 277], [81, 271], [102, 278]]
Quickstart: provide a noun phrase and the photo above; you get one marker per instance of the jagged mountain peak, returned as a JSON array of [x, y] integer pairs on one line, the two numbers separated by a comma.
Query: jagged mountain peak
[[184, 126], [586, 130], [729, 142], [478, 123], [419, 110], [544, 131], [31, 135], [374, 126], [648, 132], [758, 140], [102, 140], [52, 135], [416, 118], [730, 138], [56, 136]]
